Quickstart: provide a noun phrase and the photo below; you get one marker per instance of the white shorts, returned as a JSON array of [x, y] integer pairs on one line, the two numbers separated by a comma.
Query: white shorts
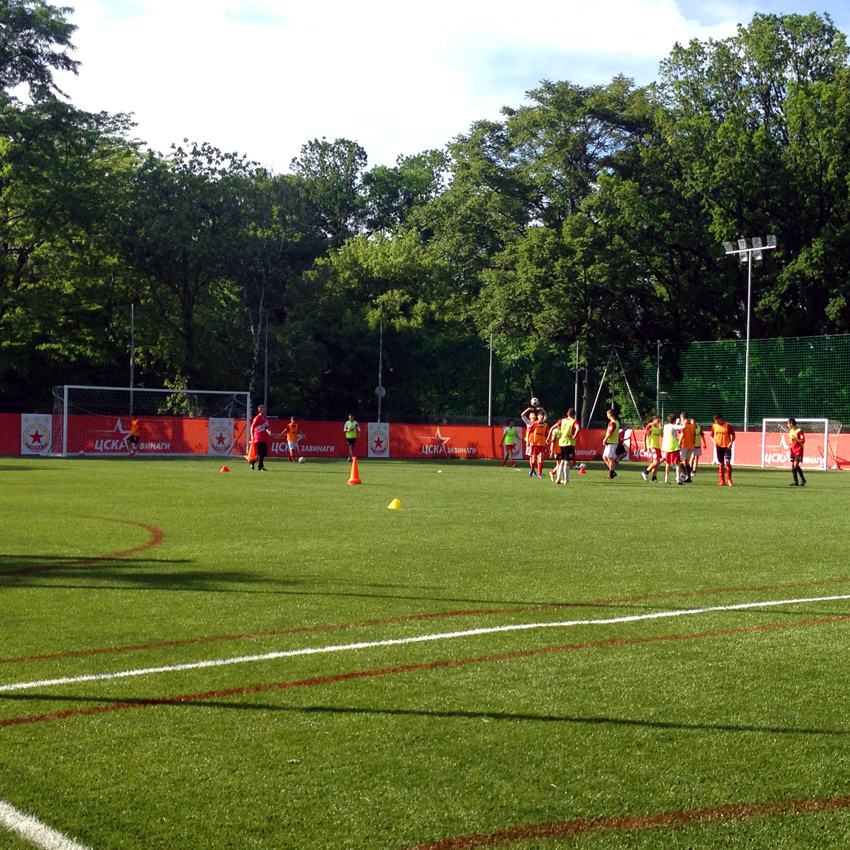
[[610, 451], [292, 446], [685, 455]]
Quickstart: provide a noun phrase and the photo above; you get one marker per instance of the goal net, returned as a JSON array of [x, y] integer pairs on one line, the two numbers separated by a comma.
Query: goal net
[[816, 450], [98, 420]]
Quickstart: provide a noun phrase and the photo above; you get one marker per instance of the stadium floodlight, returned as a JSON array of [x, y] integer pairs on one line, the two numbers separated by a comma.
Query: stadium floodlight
[[747, 250]]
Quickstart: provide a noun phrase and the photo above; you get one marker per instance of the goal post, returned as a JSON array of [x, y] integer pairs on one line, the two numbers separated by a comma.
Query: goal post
[[97, 420], [775, 449]]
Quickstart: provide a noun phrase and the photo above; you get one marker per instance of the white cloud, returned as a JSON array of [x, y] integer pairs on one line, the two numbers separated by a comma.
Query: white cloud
[[262, 78]]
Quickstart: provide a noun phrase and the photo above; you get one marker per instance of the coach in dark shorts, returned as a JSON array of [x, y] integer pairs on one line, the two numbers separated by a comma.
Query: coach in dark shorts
[[351, 428]]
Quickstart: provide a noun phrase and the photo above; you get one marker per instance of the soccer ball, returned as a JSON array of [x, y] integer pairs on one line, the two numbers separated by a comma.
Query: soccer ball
[[301, 459], [535, 401], [582, 466]]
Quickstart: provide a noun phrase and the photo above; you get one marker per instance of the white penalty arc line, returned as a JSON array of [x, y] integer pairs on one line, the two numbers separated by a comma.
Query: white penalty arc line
[[349, 647], [31, 829]]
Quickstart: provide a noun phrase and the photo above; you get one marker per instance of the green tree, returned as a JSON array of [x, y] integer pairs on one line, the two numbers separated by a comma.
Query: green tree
[[181, 234], [393, 193], [61, 171], [35, 41], [280, 238], [752, 124], [332, 183]]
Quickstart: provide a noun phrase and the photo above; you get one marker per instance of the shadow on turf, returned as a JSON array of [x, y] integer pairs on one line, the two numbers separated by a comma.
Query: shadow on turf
[[154, 702], [17, 569], [51, 572]]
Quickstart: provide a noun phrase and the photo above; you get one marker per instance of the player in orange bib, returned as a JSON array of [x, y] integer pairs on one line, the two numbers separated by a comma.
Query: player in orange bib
[[293, 435], [723, 435], [133, 438]]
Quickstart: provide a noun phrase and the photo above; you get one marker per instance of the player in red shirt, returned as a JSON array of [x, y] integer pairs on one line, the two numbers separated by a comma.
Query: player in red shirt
[[260, 434], [796, 441]]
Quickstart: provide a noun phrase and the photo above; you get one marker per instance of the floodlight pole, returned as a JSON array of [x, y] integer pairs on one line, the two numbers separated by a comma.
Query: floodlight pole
[[747, 250], [265, 318]]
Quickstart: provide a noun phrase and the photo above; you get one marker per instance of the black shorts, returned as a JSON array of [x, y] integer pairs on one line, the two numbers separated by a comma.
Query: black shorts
[[351, 440], [568, 452], [724, 455]]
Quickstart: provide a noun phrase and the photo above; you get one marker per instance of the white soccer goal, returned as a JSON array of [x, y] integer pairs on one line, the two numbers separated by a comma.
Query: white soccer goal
[[774, 443], [96, 420]]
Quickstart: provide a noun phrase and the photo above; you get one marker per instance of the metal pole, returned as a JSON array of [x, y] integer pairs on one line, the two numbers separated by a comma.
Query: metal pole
[[380, 369], [490, 387], [613, 379], [747, 350], [575, 403], [132, 353], [658, 375], [266, 367], [751, 249]]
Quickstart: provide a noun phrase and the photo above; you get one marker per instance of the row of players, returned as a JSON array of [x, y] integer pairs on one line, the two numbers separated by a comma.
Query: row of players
[[678, 444]]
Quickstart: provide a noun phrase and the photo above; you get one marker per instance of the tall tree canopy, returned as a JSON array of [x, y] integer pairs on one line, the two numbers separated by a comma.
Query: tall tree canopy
[[587, 215], [35, 41]]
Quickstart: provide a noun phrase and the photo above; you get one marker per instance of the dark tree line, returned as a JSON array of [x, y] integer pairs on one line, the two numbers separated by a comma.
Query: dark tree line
[[590, 216]]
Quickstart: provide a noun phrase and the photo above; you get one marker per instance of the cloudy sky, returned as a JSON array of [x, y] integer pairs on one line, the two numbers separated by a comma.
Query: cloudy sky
[[262, 77]]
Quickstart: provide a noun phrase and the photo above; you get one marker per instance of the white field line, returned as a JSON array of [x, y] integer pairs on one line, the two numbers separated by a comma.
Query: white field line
[[33, 830], [349, 647]]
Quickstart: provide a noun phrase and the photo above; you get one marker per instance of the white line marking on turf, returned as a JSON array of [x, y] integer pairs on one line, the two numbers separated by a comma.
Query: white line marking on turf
[[318, 650], [33, 830]]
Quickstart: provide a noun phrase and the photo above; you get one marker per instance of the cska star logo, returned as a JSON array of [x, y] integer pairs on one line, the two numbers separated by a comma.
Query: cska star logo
[[439, 444], [221, 436], [379, 440], [35, 435]]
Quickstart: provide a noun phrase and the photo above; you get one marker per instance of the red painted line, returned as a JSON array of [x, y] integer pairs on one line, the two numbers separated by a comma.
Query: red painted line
[[665, 820], [156, 537], [410, 668], [79, 653]]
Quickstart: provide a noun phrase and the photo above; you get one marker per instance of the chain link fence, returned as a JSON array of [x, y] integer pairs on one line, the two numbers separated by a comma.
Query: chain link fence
[[439, 378]]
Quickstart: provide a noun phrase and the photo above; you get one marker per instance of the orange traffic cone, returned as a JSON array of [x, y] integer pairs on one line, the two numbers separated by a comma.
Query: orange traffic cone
[[354, 478], [251, 457], [224, 469]]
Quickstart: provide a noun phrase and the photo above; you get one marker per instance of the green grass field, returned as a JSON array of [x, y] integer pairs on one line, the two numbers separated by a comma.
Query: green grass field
[[584, 672]]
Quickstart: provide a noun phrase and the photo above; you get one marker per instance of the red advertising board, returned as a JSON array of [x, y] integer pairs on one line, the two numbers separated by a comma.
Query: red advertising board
[[163, 436], [107, 435], [318, 439], [10, 433]]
